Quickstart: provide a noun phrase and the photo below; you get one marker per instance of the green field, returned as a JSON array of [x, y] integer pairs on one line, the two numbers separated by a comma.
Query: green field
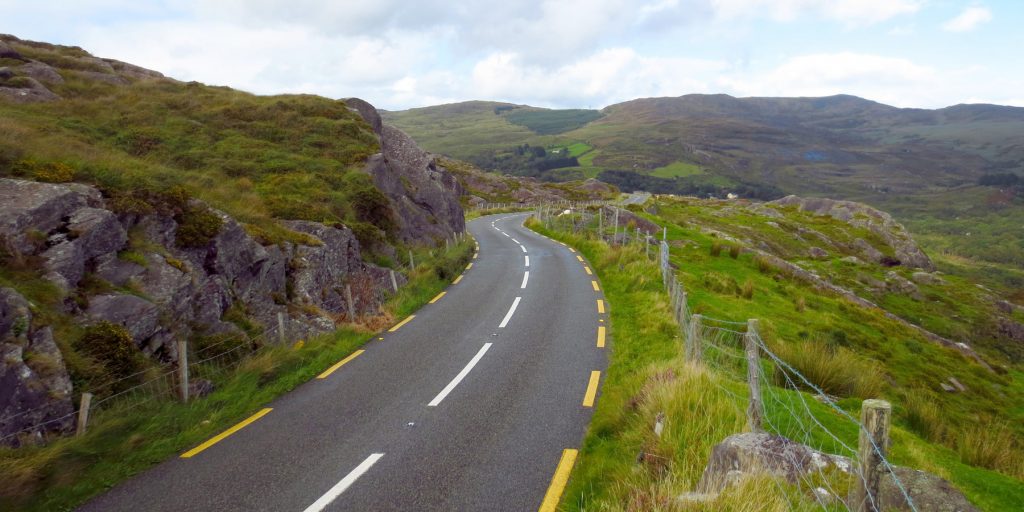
[[551, 122], [677, 170]]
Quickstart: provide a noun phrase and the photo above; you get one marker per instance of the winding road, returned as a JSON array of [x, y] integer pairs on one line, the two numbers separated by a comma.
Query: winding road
[[477, 402]]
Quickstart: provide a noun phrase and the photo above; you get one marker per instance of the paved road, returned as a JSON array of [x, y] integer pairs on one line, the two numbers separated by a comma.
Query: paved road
[[470, 405]]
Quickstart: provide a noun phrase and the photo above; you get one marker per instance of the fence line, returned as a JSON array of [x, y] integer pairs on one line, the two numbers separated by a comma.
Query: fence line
[[162, 384], [737, 348]]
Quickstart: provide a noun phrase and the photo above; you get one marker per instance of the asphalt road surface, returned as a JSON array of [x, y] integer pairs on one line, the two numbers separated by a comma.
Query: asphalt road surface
[[477, 402]]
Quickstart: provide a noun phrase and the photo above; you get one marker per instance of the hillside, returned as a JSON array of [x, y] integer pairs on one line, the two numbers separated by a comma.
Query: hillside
[[138, 210], [924, 166], [820, 277]]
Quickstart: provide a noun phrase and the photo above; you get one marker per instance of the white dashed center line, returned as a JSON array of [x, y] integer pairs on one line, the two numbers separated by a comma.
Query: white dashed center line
[[340, 487], [527, 261], [511, 311], [458, 378], [526, 277]]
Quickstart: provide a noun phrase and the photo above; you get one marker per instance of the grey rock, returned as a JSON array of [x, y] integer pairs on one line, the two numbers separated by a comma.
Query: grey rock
[[818, 253], [1011, 329], [34, 93], [41, 71], [926, 491], [65, 264], [28, 206], [116, 271], [947, 388], [898, 284], [752, 453], [852, 260], [956, 383], [35, 390], [1008, 307], [368, 112], [108, 78], [6, 52], [868, 251], [6, 73], [140, 316], [97, 232], [319, 273], [132, 71], [746, 454], [199, 388], [864, 216], [927, 278]]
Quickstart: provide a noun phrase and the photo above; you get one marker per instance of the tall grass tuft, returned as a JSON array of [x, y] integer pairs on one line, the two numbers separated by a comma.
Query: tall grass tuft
[[991, 444], [836, 370], [716, 248]]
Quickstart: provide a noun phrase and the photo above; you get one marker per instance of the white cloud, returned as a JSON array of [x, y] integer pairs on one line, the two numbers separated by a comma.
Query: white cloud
[[968, 20], [850, 12]]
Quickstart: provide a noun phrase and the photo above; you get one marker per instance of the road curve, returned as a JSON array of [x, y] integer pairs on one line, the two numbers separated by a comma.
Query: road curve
[[474, 404]]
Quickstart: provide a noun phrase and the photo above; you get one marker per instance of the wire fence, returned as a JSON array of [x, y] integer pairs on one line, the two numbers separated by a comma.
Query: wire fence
[[840, 474], [206, 366]]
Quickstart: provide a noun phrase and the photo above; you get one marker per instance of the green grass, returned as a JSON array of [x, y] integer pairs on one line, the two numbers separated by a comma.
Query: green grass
[[645, 344], [677, 170], [122, 442], [578, 148]]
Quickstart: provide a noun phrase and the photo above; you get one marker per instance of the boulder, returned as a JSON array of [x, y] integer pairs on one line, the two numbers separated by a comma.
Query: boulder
[[34, 92], [318, 273], [41, 71], [898, 284], [927, 278], [6, 73], [199, 388], [818, 253], [742, 455], [6, 52], [140, 316], [132, 71], [30, 209]]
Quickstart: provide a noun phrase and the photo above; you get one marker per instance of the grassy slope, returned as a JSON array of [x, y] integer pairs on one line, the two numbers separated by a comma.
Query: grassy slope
[[646, 344], [256, 157], [122, 442]]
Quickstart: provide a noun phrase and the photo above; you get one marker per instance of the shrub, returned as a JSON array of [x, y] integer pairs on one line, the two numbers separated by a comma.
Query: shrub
[[112, 346], [197, 227], [748, 289], [764, 265], [716, 248], [734, 251]]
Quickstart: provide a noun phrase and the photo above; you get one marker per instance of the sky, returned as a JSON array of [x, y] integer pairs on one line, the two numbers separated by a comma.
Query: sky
[[557, 53]]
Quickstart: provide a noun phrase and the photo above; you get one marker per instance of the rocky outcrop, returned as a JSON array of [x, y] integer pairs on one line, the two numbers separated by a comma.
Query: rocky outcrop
[[863, 216], [742, 455], [35, 390], [423, 193], [29, 82], [160, 292]]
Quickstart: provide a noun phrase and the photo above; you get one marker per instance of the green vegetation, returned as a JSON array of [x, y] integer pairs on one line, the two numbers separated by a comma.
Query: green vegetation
[[550, 122], [677, 170], [852, 351], [153, 144], [126, 440]]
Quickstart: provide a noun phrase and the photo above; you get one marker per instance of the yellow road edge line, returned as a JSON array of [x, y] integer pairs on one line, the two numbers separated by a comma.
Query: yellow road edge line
[[594, 284], [579, 257], [469, 266], [600, 336], [220, 437], [571, 249], [589, 273], [435, 299], [600, 306], [558, 481], [475, 254], [400, 324], [595, 378], [339, 364], [457, 279]]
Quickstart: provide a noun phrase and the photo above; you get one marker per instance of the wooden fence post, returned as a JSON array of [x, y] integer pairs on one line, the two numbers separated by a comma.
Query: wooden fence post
[[83, 413], [755, 409], [694, 350], [875, 416], [394, 282], [281, 335], [600, 223], [412, 263], [183, 370], [351, 305]]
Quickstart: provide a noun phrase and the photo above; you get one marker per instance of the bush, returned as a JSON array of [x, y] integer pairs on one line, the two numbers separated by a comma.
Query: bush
[[112, 346], [197, 227], [716, 248], [734, 251]]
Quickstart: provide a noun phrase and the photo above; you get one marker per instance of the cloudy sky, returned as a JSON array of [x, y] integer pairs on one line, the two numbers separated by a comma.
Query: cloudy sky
[[557, 53]]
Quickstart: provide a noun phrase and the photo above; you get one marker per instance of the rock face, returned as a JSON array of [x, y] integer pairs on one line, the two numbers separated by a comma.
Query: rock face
[[742, 455], [878, 222], [162, 292], [423, 193], [34, 385]]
